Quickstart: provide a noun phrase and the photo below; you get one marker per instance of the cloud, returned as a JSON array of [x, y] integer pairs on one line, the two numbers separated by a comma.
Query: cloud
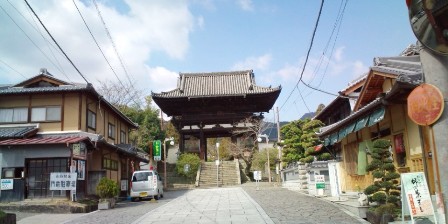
[[146, 27], [256, 63], [358, 69], [338, 54], [200, 22], [246, 5], [162, 79]]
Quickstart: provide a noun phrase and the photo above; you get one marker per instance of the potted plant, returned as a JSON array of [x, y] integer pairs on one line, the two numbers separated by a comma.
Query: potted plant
[[385, 191], [107, 190]]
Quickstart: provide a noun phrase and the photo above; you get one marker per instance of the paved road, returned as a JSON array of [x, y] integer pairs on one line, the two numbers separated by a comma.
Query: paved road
[[219, 205], [243, 204], [286, 206]]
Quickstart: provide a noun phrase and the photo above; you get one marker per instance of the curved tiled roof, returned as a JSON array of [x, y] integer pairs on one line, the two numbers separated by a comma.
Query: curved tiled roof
[[216, 84]]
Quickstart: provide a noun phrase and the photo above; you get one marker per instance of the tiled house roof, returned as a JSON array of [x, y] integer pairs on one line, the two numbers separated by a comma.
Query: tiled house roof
[[17, 131], [216, 84]]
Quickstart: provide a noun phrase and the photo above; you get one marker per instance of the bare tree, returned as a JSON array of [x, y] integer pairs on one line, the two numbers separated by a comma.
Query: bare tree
[[119, 93], [247, 131]]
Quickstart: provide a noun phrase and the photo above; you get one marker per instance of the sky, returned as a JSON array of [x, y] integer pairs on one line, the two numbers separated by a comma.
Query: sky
[[158, 39]]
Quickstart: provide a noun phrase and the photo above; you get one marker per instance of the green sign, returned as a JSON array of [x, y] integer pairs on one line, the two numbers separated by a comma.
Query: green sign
[[320, 181], [157, 149]]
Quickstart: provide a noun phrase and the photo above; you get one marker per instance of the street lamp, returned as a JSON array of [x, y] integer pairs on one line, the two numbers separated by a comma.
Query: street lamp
[[267, 153], [171, 140]]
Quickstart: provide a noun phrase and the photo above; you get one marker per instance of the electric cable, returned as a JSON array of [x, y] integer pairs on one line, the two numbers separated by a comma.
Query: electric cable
[[331, 54], [9, 66], [48, 32], [307, 54], [112, 41], [29, 38]]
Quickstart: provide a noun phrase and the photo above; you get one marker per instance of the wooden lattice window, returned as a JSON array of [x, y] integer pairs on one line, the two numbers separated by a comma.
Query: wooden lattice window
[[351, 158]]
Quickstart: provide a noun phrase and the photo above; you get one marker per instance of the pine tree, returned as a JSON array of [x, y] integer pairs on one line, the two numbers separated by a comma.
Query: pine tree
[[385, 190]]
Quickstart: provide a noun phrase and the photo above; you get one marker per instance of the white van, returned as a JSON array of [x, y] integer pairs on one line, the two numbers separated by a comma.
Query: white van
[[146, 184]]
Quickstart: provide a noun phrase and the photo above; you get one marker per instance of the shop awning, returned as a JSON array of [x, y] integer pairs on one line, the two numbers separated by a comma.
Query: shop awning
[[361, 123], [365, 121], [376, 116]]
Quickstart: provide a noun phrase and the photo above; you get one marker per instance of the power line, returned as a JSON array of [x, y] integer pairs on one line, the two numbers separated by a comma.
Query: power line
[[58, 66], [29, 38], [340, 17], [112, 41], [300, 93], [307, 54], [48, 32], [321, 59], [96, 42], [13, 69]]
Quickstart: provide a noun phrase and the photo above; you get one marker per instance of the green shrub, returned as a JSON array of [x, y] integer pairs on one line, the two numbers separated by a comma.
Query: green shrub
[[325, 156], [371, 189], [388, 208], [2, 214], [379, 197], [191, 159], [386, 190], [107, 188], [308, 159]]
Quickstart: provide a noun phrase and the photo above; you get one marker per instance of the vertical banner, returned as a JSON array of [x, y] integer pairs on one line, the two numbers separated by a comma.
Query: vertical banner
[[415, 190], [81, 169], [157, 148]]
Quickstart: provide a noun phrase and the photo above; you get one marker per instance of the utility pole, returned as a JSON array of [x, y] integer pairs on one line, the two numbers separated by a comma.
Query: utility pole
[[279, 140], [435, 69], [428, 22]]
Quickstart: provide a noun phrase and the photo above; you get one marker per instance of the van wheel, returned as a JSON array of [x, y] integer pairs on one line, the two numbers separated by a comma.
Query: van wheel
[[157, 197]]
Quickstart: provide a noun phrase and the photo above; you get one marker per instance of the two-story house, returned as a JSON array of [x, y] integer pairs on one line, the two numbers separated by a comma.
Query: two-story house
[[380, 111], [48, 125]]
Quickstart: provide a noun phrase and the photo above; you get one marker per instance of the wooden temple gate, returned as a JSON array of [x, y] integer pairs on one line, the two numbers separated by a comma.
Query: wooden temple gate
[[212, 105]]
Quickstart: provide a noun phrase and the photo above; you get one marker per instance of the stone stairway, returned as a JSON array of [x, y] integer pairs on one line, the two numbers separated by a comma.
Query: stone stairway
[[229, 174]]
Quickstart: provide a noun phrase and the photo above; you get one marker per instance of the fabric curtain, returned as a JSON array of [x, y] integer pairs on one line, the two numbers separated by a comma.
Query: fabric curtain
[[6, 115], [20, 114]]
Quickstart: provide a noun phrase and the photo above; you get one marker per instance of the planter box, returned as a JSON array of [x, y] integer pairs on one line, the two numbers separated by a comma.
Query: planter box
[[10, 218], [107, 203], [374, 218]]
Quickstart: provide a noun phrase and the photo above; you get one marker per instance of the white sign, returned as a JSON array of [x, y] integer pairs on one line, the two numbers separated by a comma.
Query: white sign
[[63, 181], [124, 185], [6, 184], [257, 175], [417, 194], [217, 162]]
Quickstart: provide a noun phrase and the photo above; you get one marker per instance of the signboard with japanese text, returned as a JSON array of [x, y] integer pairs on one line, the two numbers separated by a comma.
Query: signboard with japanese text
[[418, 198], [63, 181], [157, 149], [320, 181], [6, 184]]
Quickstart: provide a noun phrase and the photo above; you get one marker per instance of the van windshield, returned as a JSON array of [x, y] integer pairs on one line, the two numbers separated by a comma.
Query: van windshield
[[143, 176]]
